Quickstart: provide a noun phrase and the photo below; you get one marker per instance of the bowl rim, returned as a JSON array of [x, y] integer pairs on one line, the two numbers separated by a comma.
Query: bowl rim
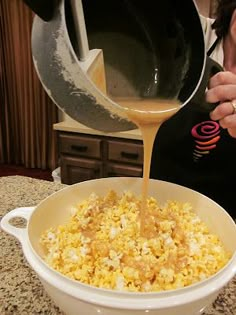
[[131, 300]]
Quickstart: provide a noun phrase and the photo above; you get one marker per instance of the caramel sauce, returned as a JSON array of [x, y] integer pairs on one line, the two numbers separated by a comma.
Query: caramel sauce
[[148, 114]]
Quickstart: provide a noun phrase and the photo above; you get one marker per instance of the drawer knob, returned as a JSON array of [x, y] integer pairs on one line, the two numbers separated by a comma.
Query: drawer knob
[[128, 155], [79, 148]]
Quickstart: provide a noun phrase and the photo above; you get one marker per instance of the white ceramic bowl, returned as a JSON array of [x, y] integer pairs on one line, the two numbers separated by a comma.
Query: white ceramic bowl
[[76, 298]]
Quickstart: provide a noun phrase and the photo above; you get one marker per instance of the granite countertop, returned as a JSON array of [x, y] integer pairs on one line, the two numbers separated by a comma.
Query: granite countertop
[[21, 293]]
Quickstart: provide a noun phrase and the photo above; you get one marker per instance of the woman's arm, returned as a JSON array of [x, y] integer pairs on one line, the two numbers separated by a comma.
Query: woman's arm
[[43, 8]]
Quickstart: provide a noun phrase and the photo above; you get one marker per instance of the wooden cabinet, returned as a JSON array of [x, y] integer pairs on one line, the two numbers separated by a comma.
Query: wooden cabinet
[[84, 157], [74, 170], [123, 170], [125, 152]]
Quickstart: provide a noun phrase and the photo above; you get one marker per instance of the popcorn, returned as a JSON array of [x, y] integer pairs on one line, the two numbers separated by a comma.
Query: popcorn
[[101, 245]]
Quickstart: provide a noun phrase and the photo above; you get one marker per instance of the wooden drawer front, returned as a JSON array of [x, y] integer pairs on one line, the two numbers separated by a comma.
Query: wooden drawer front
[[81, 146], [126, 152], [123, 170], [75, 170]]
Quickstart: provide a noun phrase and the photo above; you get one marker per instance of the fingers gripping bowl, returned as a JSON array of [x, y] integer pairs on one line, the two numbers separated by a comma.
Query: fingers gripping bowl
[[74, 297]]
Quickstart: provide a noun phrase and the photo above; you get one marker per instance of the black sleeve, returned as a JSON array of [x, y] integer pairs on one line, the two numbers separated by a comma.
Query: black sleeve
[[43, 8]]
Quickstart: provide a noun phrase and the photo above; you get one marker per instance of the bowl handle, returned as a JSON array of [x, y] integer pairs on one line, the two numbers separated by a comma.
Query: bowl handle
[[18, 232]]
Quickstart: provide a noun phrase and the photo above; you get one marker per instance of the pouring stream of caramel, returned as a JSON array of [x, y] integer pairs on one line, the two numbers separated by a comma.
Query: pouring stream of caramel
[[148, 115]]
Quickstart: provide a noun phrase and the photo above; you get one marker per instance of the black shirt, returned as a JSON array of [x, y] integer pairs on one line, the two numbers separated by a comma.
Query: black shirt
[[193, 151]]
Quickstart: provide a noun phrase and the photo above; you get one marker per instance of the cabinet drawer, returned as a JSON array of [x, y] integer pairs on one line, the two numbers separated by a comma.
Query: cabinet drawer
[[75, 169], [114, 169], [80, 145], [126, 152]]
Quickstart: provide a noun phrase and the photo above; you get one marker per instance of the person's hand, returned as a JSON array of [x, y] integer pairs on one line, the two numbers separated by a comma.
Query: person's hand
[[222, 88]]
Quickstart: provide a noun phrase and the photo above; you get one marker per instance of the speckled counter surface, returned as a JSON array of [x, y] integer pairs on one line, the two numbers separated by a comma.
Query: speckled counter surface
[[21, 293]]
